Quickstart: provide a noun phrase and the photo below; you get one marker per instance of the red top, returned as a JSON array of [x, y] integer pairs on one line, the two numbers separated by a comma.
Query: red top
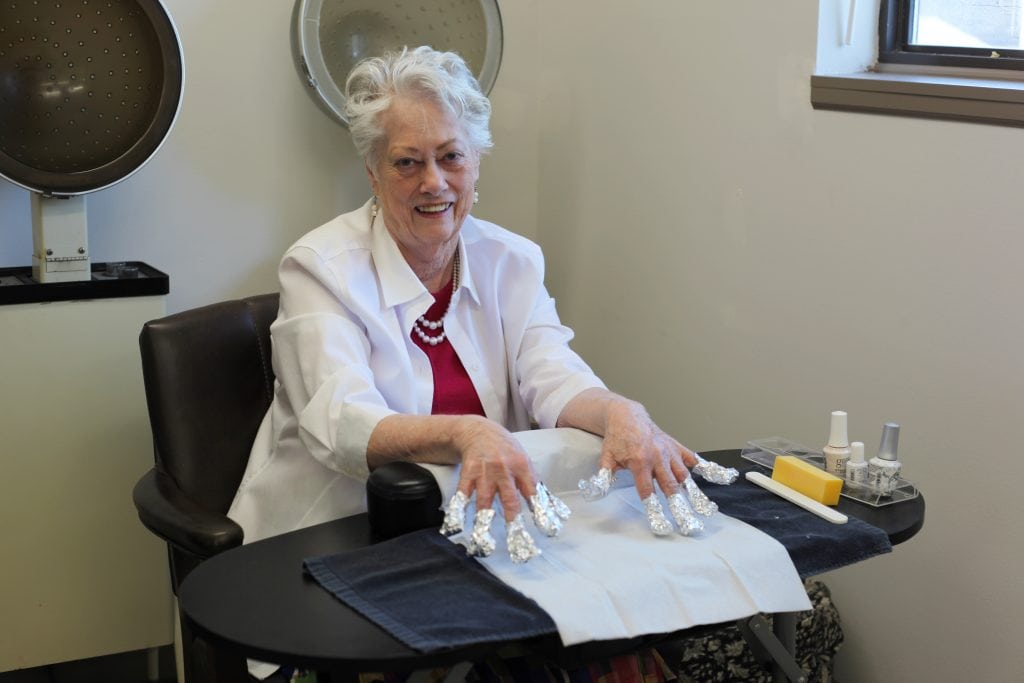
[[454, 393]]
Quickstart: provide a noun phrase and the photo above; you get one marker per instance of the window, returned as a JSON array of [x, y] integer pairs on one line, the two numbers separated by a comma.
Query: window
[[959, 60], [952, 33]]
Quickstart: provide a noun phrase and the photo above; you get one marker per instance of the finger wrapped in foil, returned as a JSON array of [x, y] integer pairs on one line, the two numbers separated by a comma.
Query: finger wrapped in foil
[[521, 547], [559, 507], [597, 486], [545, 509], [715, 473], [455, 514], [656, 517], [481, 542], [686, 519], [700, 502]]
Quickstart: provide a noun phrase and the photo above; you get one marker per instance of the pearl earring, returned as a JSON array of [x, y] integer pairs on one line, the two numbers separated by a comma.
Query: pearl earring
[[373, 209], [476, 197]]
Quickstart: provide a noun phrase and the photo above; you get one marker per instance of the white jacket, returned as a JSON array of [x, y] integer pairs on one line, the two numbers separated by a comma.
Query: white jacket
[[344, 359]]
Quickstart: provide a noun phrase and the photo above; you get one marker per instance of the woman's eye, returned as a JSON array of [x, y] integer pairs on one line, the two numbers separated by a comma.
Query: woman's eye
[[405, 163]]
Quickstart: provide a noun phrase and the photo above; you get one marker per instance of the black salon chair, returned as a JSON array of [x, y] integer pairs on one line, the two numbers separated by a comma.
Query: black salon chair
[[209, 382], [208, 385]]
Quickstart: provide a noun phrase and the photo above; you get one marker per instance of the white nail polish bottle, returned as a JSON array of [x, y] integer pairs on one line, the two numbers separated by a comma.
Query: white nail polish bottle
[[837, 452], [857, 467], [884, 469]]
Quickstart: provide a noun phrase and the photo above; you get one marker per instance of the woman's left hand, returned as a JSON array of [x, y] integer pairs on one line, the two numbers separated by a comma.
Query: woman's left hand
[[633, 442]]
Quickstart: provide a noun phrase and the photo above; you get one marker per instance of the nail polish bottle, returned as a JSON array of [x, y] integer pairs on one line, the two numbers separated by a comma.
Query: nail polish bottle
[[857, 467], [837, 452], [884, 469]]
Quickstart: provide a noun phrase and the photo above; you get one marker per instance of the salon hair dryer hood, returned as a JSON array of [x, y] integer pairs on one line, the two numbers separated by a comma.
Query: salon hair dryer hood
[[332, 36], [88, 91]]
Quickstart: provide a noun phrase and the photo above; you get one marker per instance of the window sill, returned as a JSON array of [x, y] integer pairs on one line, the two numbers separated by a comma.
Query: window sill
[[959, 96]]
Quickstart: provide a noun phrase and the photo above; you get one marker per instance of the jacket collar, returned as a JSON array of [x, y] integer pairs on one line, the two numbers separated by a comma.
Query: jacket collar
[[398, 282]]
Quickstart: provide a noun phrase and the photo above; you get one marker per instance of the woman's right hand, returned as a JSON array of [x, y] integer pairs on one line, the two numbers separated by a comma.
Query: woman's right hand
[[493, 464]]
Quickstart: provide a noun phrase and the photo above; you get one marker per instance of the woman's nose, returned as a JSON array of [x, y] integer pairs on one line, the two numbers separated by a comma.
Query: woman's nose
[[433, 180]]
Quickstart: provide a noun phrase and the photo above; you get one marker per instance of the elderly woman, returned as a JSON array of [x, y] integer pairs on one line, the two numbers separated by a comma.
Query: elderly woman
[[410, 330]]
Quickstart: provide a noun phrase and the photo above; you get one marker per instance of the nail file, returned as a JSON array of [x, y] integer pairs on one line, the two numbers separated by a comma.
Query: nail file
[[797, 498]]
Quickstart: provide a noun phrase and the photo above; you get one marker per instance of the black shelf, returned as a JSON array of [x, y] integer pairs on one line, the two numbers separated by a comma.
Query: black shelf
[[17, 286]]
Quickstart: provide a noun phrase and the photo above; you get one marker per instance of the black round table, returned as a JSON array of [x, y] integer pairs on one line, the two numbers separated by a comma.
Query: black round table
[[256, 601]]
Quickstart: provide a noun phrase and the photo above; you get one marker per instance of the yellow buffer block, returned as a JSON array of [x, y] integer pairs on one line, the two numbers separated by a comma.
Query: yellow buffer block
[[809, 480]]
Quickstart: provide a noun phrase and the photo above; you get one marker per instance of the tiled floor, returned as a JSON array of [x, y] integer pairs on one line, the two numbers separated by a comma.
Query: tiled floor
[[129, 667]]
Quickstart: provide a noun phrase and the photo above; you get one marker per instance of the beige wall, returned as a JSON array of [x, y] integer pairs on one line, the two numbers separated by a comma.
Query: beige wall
[[745, 264], [741, 263]]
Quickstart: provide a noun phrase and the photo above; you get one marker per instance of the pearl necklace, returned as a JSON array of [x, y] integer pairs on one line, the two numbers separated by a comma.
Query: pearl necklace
[[422, 322]]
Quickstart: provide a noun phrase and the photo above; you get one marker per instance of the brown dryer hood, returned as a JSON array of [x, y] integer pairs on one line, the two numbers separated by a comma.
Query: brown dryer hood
[[88, 91]]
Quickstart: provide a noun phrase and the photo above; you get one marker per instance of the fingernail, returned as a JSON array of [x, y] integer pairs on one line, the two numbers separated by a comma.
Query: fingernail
[[597, 486], [655, 517], [544, 516], [521, 547], [481, 542], [715, 473], [701, 503], [686, 520], [560, 508], [455, 515]]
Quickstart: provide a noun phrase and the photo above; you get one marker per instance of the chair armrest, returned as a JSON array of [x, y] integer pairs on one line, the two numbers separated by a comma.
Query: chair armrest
[[402, 497], [170, 514]]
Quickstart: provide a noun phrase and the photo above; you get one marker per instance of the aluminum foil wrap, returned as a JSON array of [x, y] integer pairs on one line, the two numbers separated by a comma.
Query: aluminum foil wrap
[[656, 517], [686, 519], [548, 511], [597, 486], [560, 508], [715, 473], [455, 515], [481, 542], [521, 547], [700, 502]]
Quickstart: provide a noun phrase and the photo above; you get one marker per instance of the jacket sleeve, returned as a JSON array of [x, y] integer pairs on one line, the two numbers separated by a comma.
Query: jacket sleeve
[[321, 358]]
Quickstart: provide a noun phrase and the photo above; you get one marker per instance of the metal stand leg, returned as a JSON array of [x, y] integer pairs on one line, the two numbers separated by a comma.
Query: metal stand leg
[[153, 664], [179, 653], [784, 629], [776, 644]]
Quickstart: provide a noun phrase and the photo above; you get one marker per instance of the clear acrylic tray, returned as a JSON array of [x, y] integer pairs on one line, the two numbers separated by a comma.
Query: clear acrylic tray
[[764, 451]]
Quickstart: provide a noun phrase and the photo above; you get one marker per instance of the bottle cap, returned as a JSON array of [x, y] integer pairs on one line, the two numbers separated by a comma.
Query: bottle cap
[[837, 435], [857, 451], [890, 444]]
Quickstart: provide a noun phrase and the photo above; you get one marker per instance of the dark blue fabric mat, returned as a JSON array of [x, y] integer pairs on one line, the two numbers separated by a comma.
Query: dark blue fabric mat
[[815, 545], [426, 592]]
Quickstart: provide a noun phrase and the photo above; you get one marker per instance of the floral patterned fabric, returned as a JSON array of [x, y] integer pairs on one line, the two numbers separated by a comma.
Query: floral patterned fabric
[[725, 657]]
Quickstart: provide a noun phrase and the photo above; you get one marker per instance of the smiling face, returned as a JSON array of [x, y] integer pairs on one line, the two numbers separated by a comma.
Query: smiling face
[[424, 178]]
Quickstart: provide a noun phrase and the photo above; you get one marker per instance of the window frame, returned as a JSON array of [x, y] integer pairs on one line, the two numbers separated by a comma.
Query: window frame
[[894, 45], [898, 84]]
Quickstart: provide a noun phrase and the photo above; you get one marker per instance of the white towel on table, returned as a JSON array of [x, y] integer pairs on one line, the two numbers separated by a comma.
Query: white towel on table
[[607, 576]]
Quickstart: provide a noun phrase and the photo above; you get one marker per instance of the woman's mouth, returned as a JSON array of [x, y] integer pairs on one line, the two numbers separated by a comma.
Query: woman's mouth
[[431, 209]]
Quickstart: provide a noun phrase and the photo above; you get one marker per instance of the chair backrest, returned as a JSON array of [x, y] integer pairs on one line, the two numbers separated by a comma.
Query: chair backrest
[[209, 382]]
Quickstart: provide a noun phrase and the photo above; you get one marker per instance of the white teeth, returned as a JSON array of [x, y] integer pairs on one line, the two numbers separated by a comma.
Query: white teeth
[[433, 208]]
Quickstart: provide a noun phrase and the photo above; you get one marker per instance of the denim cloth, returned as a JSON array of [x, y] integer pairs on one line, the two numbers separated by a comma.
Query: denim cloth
[[815, 545], [426, 592]]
